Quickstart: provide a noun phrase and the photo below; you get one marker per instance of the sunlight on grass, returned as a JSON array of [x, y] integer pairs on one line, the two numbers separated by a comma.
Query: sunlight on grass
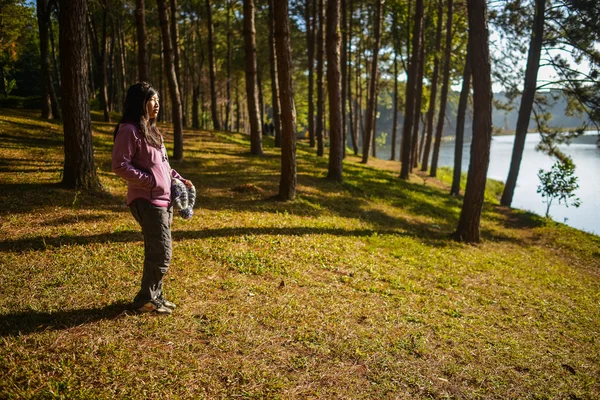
[[353, 290]]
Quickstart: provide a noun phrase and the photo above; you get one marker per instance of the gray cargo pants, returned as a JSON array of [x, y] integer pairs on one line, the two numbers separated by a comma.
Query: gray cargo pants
[[156, 228]]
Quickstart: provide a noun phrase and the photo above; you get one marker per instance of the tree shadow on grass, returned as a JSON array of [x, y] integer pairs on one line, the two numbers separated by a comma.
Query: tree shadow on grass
[[427, 234], [515, 219], [41, 243], [26, 322], [23, 198], [31, 142]]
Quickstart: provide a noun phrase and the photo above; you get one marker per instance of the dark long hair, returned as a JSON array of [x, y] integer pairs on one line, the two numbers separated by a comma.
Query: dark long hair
[[135, 112]]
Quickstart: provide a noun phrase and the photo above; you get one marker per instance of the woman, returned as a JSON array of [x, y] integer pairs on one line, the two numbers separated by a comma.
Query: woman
[[139, 156]]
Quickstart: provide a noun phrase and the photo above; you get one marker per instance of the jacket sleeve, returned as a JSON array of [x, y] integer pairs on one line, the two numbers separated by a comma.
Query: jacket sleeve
[[125, 146], [175, 174]]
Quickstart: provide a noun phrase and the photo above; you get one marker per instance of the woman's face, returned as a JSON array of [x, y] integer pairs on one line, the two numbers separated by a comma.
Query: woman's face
[[152, 107]]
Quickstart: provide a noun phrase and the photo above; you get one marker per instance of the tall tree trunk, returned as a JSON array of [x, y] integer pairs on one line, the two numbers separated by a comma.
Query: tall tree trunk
[[162, 112], [320, 125], [104, 65], [530, 86], [142, 57], [374, 136], [238, 109], [79, 170], [344, 67], [418, 103], [434, 84], [358, 110], [111, 66], [395, 109], [460, 125], [251, 89], [310, 43], [372, 101], [195, 107], [228, 108], [470, 216], [197, 75], [349, 84], [169, 65], [423, 133], [55, 65], [177, 58], [444, 94], [274, 84], [212, 68], [261, 99], [101, 56], [336, 152], [50, 108], [90, 59], [287, 184], [195, 86], [411, 89], [123, 58]]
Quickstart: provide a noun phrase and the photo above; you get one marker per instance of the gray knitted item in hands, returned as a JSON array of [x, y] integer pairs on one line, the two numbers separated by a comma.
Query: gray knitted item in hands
[[184, 198]]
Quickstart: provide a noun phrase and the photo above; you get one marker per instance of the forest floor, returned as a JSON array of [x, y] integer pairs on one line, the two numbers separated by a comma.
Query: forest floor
[[353, 290]]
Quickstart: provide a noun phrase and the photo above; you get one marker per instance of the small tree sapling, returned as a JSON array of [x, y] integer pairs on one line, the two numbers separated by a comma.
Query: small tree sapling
[[559, 183]]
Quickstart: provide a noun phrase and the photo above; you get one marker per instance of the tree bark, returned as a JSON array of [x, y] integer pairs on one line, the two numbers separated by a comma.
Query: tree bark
[[123, 62], [310, 44], [100, 53], [212, 68], [411, 88], [55, 65], [50, 109], [174, 26], [434, 84], [336, 152], [169, 65], [251, 92], [228, 108], [320, 125], [372, 101], [102, 61], [142, 57], [444, 94], [344, 72], [238, 109], [79, 170], [261, 99], [418, 103], [460, 126], [351, 123], [530, 87], [470, 216], [395, 109], [287, 183], [111, 66], [274, 84]]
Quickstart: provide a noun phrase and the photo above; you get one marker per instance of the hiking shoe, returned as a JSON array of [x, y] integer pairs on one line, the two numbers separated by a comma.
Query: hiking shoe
[[168, 304], [150, 307]]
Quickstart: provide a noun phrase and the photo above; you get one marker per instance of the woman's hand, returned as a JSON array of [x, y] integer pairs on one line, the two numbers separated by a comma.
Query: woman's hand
[[187, 183]]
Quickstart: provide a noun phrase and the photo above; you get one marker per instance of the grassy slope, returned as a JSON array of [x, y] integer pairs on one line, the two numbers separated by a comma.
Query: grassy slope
[[353, 290]]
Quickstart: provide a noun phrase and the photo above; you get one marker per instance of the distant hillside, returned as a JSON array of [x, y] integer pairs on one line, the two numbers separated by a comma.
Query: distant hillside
[[508, 120], [502, 119]]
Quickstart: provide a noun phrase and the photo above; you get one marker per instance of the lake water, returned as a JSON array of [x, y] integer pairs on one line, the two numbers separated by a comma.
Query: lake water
[[585, 154]]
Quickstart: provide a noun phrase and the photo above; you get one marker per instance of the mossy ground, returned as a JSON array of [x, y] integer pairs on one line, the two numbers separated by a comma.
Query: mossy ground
[[353, 290]]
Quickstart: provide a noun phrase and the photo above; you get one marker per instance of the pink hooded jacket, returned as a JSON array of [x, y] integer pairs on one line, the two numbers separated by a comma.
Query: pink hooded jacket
[[145, 168]]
